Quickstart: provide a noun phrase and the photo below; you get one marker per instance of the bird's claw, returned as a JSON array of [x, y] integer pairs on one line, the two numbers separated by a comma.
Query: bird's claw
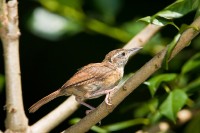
[[107, 99]]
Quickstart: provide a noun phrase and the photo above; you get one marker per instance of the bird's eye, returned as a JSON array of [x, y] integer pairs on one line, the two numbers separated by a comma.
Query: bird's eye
[[123, 54]]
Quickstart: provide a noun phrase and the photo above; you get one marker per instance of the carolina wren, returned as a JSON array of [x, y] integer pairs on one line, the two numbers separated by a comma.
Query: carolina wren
[[93, 80]]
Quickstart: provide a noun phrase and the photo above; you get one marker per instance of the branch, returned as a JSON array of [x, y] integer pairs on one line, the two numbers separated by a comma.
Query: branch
[[16, 120], [140, 76], [141, 38], [47, 124]]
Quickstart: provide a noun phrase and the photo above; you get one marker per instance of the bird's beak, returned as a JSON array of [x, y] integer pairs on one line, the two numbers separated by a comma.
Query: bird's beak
[[133, 51]]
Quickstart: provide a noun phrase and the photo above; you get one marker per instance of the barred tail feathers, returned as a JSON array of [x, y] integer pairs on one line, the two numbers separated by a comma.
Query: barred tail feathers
[[44, 100]]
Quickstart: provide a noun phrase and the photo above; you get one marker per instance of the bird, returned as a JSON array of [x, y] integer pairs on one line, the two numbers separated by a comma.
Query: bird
[[93, 80]]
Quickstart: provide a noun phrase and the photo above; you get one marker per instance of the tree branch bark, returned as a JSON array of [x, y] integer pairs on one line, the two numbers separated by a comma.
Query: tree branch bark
[[144, 36], [16, 120], [133, 82]]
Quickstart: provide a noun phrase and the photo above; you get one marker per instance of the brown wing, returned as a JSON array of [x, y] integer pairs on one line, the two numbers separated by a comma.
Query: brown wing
[[88, 74]]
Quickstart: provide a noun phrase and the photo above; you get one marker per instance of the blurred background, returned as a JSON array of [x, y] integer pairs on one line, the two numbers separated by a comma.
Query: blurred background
[[60, 36]]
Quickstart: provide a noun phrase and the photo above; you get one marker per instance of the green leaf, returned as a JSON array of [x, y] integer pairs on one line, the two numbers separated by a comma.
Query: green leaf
[[155, 117], [146, 19], [169, 14], [178, 9], [171, 47], [198, 10], [146, 108], [173, 103], [126, 124], [153, 20], [193, 86], [192, 64], [155, 82]]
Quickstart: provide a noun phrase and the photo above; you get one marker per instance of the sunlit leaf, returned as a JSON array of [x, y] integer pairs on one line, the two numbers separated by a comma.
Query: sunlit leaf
[[146, 19], [178, 9], [153, 20], [169, 14], [155, 82], [173, 103], [158, 21], [191, 64]]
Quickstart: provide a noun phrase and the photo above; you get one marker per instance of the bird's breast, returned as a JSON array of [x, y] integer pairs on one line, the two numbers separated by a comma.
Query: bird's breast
[[113, 79]]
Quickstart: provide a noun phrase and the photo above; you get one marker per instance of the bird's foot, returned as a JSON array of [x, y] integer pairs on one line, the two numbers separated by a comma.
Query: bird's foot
[[108, 99]]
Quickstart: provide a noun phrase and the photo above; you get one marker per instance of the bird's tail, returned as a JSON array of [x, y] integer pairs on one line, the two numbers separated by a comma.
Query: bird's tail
[[44, 100]]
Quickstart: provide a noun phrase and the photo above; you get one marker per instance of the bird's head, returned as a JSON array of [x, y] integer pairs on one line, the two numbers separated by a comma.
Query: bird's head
[[119, 57]]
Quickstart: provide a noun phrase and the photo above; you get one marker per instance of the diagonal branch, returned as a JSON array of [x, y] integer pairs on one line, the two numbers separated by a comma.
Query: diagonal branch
[[140, 76], [16, 120], [144, 36]]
